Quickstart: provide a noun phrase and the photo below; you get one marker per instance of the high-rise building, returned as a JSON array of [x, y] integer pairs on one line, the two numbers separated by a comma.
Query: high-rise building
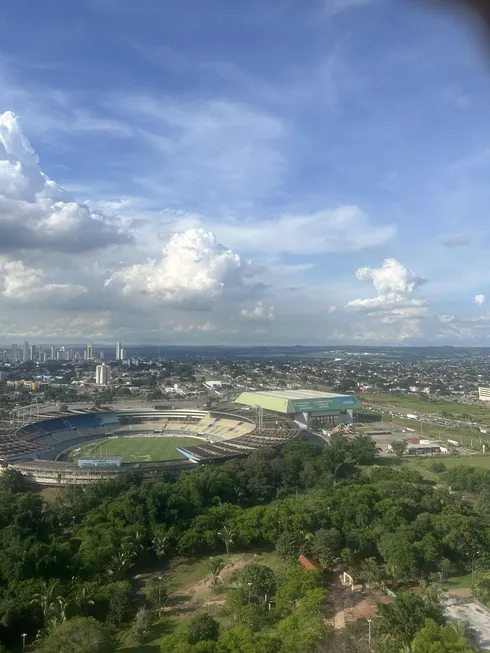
[[14, 355], [53, 353], [102, 374], [32, 353], [68, 354], [60, 354], [26, 351], [118, 351], [123, 354], [90, 351]]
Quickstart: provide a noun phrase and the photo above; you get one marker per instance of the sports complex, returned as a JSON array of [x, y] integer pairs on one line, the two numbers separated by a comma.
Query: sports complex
[[81, 445]]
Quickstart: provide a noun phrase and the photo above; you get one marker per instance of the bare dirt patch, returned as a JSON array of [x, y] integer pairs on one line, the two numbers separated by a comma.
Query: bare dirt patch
[[349, 606]]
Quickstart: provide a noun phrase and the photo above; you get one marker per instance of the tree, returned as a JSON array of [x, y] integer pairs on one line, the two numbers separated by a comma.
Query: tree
[[141, 623], [335, 457], [120, 604], [363, 450], [216, 565], [160, 545], [399, 447], [79, 635], [326, 545], [288, 545], [481, 587], [202, 628], [12, 480], [433, 638], [227, 535], [46, 599], [260, 579], [445, 567], [243, 640], [297, 583], [370, 571], [405, 616], [236, 598], [400, 554]]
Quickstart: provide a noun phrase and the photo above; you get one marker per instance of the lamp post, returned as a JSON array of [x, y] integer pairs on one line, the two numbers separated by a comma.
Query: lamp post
[[24, 635], [473, 565], [159, 596], [249, 588], [370, 621]]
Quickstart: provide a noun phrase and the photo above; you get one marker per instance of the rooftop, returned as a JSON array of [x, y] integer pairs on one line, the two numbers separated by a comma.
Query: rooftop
[[298, 401], [299, 394]]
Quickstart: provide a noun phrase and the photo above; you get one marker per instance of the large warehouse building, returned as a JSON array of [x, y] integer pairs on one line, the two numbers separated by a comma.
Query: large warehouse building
[[306, 407]]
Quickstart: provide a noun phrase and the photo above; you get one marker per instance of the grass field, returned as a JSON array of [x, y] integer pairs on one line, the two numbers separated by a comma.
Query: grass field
[[483, 462], [478, 412], [134, 449]]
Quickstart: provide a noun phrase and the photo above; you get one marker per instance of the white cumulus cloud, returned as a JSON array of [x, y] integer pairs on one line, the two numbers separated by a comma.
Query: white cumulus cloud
[[479, 300], [260, 312], [37, 213], [20, 283], [397, 312], [393, 283], [194, 268]]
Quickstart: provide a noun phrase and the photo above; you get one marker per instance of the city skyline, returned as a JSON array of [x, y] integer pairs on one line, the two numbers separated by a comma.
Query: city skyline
[[319, 184]]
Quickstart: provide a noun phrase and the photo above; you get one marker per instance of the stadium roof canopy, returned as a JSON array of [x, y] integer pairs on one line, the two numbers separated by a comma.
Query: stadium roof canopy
[[298, 401]]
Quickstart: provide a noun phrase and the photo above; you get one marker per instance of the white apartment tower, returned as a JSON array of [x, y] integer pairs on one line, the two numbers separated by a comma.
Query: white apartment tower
[[26, 352], [118, 351], [102, 374], [90, 351]]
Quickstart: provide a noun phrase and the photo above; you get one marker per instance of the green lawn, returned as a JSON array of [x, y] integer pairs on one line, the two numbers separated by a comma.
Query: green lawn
[[479, 412], [460, 580], [452, 461], [134, 449]]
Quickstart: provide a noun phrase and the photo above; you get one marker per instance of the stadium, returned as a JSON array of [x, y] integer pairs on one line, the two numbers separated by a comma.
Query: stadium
[[82, 445]]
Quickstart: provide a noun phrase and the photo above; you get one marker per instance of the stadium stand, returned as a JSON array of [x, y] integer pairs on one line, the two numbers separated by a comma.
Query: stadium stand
[[228, 432]]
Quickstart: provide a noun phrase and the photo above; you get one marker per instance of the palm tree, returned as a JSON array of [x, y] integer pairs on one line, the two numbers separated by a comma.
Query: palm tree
[[123, 559], [459, 627], [61, 606], [160, 545], [445, 567], [82, 597], [216, 565], [227, 535], [46, 599]]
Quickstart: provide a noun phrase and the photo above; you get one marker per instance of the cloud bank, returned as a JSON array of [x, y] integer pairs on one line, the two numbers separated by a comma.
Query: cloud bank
[[37, 213]]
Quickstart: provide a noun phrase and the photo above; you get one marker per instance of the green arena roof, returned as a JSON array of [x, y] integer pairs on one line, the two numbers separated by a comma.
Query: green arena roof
[[298, 401]]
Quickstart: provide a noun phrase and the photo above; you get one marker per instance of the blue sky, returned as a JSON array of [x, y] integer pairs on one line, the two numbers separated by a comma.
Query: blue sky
[[259, 172]]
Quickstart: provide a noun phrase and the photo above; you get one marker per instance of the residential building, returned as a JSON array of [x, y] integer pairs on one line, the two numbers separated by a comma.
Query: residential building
[[102, 374]]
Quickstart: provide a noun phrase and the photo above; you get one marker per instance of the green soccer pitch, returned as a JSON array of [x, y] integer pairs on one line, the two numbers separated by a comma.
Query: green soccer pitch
[[134, 449]]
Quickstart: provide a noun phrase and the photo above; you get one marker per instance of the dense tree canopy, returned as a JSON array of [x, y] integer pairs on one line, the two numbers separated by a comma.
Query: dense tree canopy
[[72, 559]]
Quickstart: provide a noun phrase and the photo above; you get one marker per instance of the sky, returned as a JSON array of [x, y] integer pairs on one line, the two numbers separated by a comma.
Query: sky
[[218, 172]]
